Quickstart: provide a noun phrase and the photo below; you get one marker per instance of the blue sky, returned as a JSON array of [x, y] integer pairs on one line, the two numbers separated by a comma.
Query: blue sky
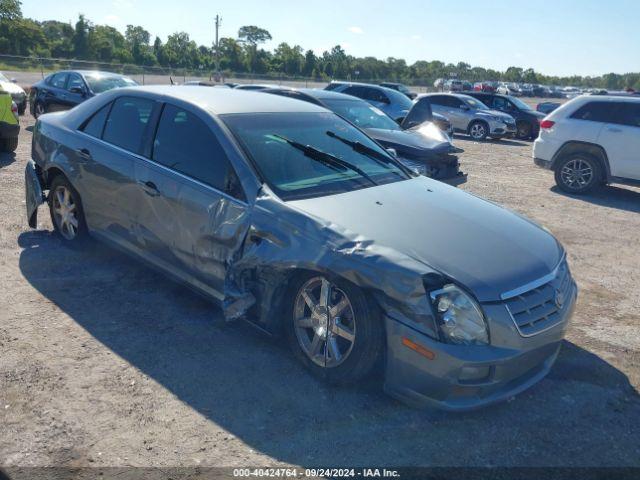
[[561, 37]]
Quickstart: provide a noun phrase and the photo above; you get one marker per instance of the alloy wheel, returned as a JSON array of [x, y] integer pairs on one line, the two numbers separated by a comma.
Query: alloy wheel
[[65, 213], [577, 174], [477, 131], [39, 110], [324, 322]]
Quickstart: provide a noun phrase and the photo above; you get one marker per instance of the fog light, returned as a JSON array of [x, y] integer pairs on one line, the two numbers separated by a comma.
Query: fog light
[[469, 374]]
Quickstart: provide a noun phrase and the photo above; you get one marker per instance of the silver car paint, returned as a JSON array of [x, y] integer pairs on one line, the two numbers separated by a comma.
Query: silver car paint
[[392, 241], [461, 119]]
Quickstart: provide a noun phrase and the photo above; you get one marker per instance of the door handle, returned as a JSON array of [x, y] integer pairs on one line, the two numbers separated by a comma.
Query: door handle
[[84, 153], [149, 188]]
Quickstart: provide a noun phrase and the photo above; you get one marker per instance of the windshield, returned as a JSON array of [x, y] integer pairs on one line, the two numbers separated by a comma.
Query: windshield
[[305, 155], [361, 114], [3, 78], [99, 84], [520, 104]]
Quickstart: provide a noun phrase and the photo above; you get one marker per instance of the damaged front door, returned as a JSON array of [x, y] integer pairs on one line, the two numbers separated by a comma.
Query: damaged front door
[[193, 217]]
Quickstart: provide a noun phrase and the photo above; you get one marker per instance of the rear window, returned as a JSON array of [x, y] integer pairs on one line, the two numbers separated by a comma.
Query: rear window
[[127, 122], [630, 114], [597, 112]]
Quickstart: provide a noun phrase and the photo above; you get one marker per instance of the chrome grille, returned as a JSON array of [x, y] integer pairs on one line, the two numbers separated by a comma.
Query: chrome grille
[[542, 307]]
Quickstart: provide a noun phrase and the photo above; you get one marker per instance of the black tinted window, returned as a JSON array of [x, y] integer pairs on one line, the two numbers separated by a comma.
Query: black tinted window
[[186, 144], [127, 122], [59, 80], [75, 81], [332, 86], [629, 114], [356, 91], [437, 100], [95, 124], [596, 112]]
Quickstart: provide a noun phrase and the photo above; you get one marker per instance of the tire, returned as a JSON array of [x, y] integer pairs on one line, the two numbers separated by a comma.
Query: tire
[[22, 108], [478, 130], [523, 131], [38, 109], [10, 144], [570, 180], [65, 209], [360, 319]]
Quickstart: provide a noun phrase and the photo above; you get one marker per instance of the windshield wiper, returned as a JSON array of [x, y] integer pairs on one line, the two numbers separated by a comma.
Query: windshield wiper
[[364, 150], [327, 159]]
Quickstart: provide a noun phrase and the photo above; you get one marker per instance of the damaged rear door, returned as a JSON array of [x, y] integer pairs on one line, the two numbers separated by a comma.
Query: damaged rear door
[[193, 214]]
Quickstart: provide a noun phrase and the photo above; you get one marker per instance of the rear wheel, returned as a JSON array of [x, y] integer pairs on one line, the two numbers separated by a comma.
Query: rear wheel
[[333, 329], [10, 144], [578, 173], [523, 131], [22, 108], [478, 130], [39, 109], [66, 211]]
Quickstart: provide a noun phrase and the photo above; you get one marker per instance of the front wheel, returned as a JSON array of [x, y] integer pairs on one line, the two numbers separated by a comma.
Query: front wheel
[[333, 329], [66, 211], [478, 131], [39, 109], [523, 131], [578, 173]]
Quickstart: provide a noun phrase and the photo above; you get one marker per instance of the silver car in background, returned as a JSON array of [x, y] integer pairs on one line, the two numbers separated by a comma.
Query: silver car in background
[[391, 102], [471, 116]]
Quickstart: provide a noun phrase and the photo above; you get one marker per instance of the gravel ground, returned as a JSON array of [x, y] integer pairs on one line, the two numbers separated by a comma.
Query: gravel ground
[[103, 362]]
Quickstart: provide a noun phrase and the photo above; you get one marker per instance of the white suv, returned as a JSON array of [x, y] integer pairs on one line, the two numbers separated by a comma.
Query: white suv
[[591, 140]]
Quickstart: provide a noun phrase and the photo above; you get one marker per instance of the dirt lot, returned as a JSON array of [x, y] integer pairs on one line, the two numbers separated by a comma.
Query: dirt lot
[[106, 363]]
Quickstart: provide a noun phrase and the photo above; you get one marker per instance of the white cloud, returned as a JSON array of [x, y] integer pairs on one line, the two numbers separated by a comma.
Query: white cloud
[[356, 30], [416, 37]]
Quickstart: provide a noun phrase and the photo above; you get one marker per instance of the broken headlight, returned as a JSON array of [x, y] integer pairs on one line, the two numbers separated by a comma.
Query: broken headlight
[[459, 317]]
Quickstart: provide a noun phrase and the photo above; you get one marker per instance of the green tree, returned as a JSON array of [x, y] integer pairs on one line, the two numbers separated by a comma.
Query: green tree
[[22, 36], [137, 40], [59, 38], [180, 50], [251, 36], [81, 38], [231, 55], [107, 44], [10, 9]]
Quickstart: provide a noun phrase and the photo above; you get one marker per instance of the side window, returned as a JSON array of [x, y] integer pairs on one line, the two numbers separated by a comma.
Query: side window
[[378, 96], [59, 80], [95, 125], [436, 100], [453, 102], [596, 112], [127, 122], [186, 144], [356, 92], [630, 113], [500, 103], [75, 81], [333, 86]]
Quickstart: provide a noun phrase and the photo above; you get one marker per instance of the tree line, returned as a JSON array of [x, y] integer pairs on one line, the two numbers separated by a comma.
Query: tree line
[[243, 54]]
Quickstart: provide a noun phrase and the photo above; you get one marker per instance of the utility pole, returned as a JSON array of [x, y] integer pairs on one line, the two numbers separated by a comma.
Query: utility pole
[[217, 45]]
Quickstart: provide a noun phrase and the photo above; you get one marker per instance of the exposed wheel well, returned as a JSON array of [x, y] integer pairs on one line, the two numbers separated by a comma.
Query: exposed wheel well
[[592, 149], [52, 173]]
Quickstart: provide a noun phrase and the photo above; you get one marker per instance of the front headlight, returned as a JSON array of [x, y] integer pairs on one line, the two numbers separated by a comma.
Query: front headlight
[[460, 318]]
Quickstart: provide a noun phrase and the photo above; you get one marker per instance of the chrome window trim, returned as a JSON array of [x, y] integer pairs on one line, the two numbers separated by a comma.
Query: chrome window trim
[[535, 283]]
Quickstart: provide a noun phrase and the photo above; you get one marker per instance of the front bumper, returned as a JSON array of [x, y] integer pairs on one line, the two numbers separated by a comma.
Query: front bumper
[[466, 377], [502, 130]]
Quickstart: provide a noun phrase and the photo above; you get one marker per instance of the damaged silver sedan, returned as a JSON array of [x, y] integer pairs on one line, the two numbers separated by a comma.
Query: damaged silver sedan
[[292, 218]]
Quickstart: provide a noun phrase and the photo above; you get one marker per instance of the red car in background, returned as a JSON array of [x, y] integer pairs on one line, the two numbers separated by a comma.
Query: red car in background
[[489, 87]]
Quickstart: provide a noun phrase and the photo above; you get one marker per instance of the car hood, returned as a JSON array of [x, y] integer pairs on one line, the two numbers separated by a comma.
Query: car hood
[[11, 87], [485, 248], [423, 141]]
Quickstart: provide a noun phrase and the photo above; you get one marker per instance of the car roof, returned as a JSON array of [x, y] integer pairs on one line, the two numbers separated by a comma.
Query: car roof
[[91, 73], [327, 94], [220, 101], [608, 98]]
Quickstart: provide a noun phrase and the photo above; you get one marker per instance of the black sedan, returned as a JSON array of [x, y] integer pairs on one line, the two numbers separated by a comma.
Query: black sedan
[[418, 142], [527, 119], [66, 89]]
